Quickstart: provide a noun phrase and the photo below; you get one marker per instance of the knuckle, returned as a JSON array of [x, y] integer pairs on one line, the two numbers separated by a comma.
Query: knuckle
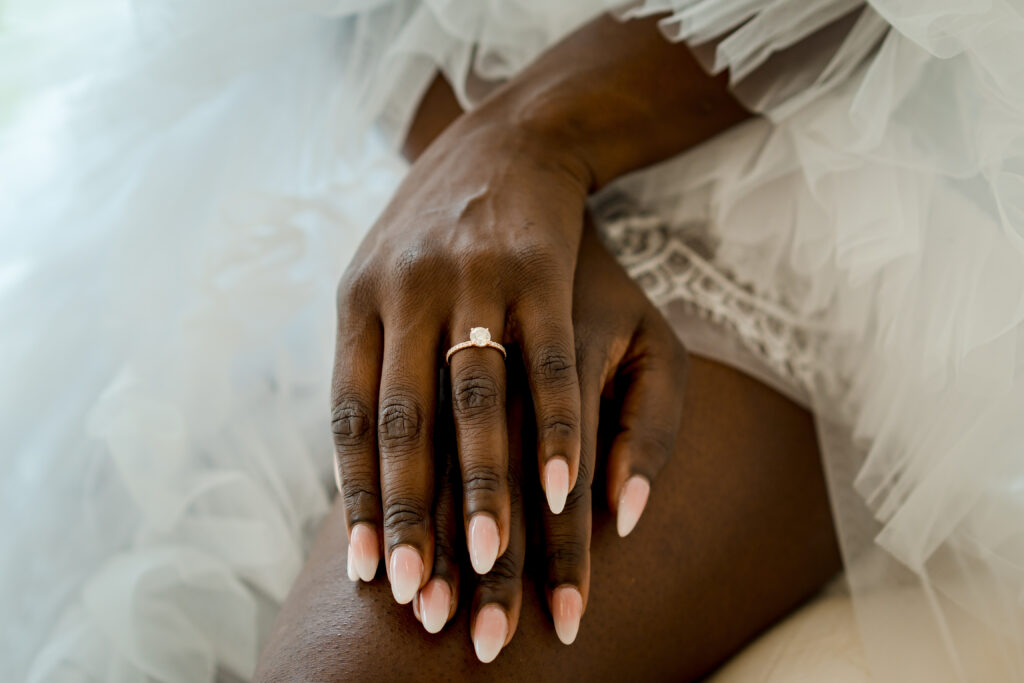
[[356, 290], [404, 514], [558, 426], [475, 394], [350, 423], [657, 443], [506, 570], [418, 266], [565, 550], [480, 480], [400, 422], [359, 499], [555, 367]]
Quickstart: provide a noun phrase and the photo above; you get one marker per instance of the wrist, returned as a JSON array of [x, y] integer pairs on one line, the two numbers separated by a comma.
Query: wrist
[[615, 97], [539, 122], [499, 127]]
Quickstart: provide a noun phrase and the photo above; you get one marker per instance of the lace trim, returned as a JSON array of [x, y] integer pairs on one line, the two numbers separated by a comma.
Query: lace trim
[[677, 264]]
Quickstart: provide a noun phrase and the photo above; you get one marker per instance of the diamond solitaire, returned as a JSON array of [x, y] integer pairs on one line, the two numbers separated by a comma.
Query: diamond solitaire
[[479, 337]]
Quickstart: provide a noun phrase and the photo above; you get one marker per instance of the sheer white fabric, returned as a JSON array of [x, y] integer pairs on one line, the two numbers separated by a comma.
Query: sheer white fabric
[[184, 181]]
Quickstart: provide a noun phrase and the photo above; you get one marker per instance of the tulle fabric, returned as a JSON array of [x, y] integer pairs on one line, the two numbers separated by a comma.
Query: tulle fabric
[[184, 182], [886, 207]]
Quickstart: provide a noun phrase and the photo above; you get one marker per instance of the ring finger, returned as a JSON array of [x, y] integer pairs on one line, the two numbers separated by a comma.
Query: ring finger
[[478, 404]]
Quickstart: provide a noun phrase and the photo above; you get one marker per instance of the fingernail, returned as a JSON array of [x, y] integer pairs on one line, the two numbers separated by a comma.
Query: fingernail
[[352, 576], [406, 571], [483, 542], [416, 609], [556, 483], [567, 608], [489, 632], [364, 549], [435, 601], [631, 503]]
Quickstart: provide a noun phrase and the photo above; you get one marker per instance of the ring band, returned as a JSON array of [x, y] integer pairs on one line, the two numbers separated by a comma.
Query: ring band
[[479, 337]]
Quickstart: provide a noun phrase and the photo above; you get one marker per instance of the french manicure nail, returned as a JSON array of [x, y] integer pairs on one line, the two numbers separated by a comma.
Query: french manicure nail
[[631, 503], [435, 602], [352, 576], [567, 608], [556, 483], [363, 547], [489, 632], [483, 542], [406, 571]]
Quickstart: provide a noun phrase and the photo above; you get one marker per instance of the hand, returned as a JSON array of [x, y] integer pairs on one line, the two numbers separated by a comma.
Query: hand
[[483, 232], [626, 352]]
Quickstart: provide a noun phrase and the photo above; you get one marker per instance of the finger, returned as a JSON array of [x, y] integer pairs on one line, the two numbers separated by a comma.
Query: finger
[[478, 404], [652, 410], [546, 337], [438, 599], [567, 535], [499, 593], [357, 364], [408, 396]]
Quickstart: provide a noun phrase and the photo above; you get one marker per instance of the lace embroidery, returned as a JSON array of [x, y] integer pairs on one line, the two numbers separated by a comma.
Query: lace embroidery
[[677, 264]]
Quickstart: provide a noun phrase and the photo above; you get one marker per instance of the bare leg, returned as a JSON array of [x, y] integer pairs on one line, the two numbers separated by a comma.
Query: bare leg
[[737, 533]]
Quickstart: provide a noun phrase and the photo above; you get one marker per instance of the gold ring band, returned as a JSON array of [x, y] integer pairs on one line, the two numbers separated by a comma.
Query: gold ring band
[[479, 337]]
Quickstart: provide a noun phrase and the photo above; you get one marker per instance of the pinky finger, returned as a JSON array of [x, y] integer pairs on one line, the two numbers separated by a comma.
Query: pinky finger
[[651, 415]]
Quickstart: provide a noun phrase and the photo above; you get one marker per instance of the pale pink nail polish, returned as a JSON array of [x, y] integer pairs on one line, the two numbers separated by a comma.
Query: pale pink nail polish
[[556, 483], [483, 541], [406, 570], [489, 632], [435, 602], [363, 546], [567, 608], [352, 576], [631, 503]]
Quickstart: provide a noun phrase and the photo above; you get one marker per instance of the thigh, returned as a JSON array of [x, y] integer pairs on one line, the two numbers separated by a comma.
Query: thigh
[[736, 534]]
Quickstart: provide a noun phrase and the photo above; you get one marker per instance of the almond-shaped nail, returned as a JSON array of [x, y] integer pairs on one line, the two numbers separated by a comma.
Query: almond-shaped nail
[[364, 549], [435, 602], [567, 608], [406, 570], [631, 503], [556, 483], [489, 632], [352, 576], [483, 542]]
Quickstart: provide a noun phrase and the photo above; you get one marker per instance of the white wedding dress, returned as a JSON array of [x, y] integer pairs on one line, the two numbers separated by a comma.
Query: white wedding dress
[[181, 184]]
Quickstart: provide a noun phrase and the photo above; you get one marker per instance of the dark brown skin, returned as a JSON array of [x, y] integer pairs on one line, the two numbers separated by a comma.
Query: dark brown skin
[[627, 353], [738, 535], [485, 231]]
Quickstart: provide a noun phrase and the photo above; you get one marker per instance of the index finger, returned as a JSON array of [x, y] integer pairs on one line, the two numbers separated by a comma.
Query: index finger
[[357, 364]]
